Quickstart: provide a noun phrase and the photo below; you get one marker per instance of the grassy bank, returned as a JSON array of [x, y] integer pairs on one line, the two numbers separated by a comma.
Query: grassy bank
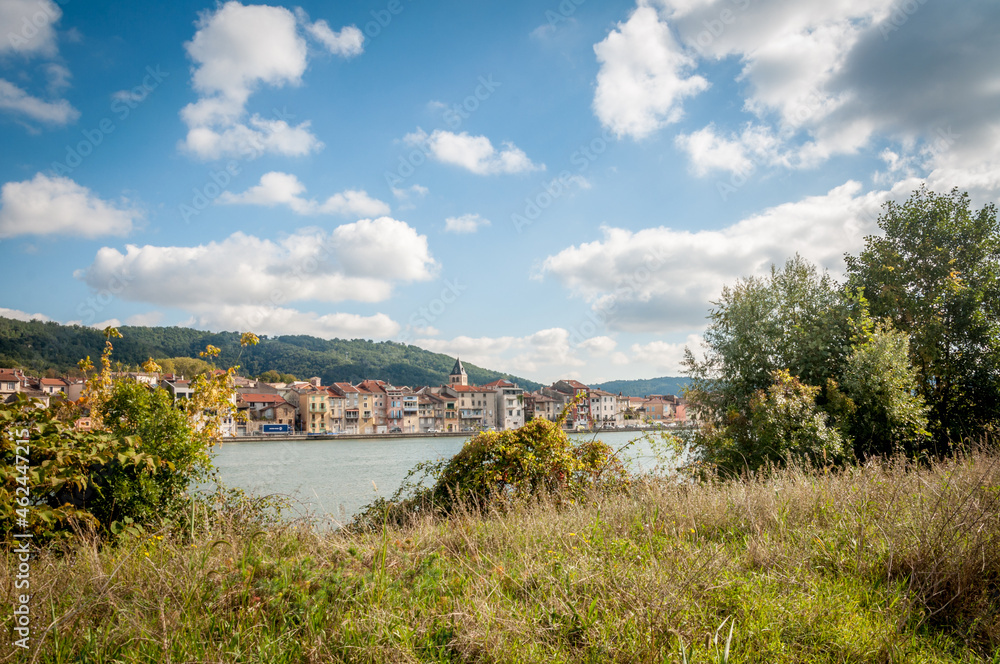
[[875, 563]]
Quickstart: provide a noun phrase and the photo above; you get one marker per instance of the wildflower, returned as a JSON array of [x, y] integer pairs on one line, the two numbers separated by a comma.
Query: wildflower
[[572, 534]]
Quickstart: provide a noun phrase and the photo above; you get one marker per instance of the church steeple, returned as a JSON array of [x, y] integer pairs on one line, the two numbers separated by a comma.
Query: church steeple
[[458, 375]]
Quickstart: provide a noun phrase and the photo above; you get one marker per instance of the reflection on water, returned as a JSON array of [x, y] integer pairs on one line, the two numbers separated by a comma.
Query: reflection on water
[[337, 477]]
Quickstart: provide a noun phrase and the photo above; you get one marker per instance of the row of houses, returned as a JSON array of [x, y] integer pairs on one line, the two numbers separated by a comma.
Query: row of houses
[[593, 408], [374, 406], [15, 381]]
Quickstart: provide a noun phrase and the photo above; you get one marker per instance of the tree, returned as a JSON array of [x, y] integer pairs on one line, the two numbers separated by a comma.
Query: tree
[[162, 431], [935, 274], [886, 415], [795, 319], [786, 422], [189, 367], [793, 363]]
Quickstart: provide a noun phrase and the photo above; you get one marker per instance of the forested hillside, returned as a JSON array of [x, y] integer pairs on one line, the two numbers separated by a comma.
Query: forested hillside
[[641, 388], [39, 347]]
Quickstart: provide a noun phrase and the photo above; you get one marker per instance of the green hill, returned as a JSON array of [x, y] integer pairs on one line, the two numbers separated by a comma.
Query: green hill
[[641, 388], [39, 347]]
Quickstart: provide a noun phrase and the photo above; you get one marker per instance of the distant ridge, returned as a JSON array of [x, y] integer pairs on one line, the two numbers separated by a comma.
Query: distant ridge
[[641, 388], [38, 347]]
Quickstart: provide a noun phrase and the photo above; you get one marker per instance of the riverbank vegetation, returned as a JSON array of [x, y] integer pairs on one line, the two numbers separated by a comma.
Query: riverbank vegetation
[[886, 561]]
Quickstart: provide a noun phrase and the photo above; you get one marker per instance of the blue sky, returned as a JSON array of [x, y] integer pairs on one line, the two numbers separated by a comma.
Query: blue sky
[[551, 189]]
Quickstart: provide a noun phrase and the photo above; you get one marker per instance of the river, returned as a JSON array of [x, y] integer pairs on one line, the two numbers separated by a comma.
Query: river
[[333, 478]]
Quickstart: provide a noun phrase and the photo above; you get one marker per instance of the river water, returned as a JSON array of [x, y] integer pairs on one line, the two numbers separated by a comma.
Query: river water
[[334, 478]]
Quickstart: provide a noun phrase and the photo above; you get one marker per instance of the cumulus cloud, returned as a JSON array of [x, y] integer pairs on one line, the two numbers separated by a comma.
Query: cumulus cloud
[[755, 146], [662, 279], [236, 50], [17, 314], [599, 345], [59, 206], [148, 319], [541, 351], [361, 261], [347, 43], [662, 357], [28, 27], [28, 30], [408, 195], [15, 100], [643, 76], [819, 79], [273, 320], [473, 153], [278, 188], [467, 223]]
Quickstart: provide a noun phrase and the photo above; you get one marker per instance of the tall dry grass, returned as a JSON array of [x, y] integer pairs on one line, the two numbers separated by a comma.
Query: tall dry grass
[[877, 563]]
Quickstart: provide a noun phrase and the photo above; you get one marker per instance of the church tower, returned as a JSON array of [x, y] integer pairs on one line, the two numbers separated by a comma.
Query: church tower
[[458, 375]]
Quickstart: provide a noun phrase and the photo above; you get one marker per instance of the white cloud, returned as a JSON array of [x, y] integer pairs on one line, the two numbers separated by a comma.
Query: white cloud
[[360, 261], [662, 357], [278, 188], [599, 346], [111, 322], [473, 153], [60, 206], [58, 77], [17, 314], [15, 100], [753, 147], [347, 43], [545, 350], [662, 279], [253, 139], [642, 81], [824, 78], [406, 196], [272, 320], [467, 223], [148, 319], [28, 27], [236, 50]]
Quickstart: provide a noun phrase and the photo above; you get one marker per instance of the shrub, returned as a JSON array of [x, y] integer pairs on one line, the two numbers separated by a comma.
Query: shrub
[[126, 492], [131, 471], [534, 460], [67, 470]]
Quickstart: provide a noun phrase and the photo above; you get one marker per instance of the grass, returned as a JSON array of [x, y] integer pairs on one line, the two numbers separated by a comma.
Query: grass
[[884, 562]]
